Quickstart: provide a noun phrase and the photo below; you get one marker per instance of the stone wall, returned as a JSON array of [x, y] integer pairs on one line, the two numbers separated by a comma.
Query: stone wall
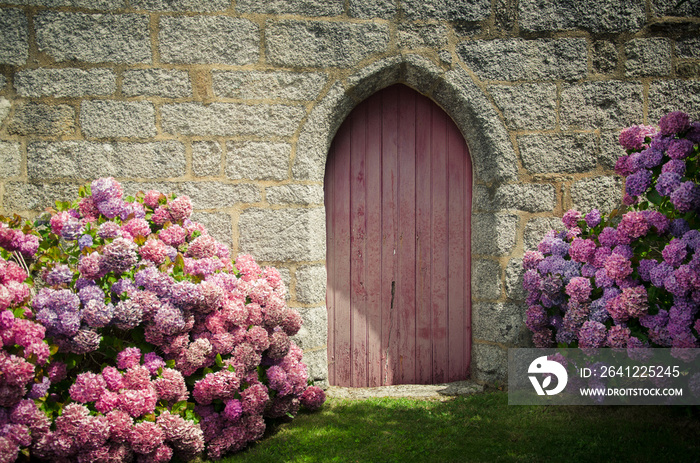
[[235, 103]]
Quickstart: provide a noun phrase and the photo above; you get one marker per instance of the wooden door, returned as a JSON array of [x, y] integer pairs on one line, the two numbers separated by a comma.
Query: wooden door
[[398, 211]]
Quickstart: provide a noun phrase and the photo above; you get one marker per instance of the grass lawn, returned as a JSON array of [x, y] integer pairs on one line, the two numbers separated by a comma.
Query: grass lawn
[[480, 428]]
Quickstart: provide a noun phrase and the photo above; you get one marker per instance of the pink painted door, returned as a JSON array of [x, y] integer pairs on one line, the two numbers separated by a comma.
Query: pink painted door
[[398, 211]]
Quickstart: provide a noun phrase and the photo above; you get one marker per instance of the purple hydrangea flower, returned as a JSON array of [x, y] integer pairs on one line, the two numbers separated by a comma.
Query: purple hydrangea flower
[[637, 183], [592, 334], [686, 197], [680, 149], [85, 241], [593, 218], [667, 183], [675, 252], [59, 274]]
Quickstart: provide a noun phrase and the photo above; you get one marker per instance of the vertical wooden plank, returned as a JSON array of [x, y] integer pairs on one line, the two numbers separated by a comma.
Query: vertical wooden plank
[[373, 243], [358, 293], [406, 284], [343, 326], [457, 208], [329, 201], [424, 350], [389, 293], [439, 270]]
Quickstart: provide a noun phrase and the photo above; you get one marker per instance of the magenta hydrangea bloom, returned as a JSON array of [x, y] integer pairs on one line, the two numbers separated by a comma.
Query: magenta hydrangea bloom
[[633, 138], [582, 250], [674, 123]]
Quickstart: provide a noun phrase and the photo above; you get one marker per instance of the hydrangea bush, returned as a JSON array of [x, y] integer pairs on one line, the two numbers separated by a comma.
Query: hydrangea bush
[[631, 279], [129, 333]]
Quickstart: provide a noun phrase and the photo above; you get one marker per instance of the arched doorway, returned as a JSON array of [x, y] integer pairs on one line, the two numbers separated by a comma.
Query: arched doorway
[[398, 209]]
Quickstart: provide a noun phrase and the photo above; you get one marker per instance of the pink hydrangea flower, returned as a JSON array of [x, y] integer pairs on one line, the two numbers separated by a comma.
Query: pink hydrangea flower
[[128, 358], [88, 387], [312, 398], [180, 208], [152, 198]]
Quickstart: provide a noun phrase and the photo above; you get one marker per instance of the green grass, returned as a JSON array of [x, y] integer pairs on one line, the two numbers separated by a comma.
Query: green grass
[[480, 428]]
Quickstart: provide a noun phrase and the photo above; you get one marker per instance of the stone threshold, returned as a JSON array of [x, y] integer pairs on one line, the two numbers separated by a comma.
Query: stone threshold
[[443, 391]]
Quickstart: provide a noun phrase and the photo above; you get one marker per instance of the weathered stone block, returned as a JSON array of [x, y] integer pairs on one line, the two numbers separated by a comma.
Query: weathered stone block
[[323, 44], [687, 9], [673, 95], [497, 321], [95, 38], [604, 105], [21, 196], [283, 234], [604, 57], [206, 158], [446, 10], [610, 148], [519, 59], [687, 70], [181, 5], [108, 5], [368, 9], [14, 41], [648, 57], [311, 284], [60, 83], [89, 160], [314, 330], [42, 119], [688, 48], [318, 132], [10, 159], [527, 106], [165, 83], [490, 363], [208, 39], [258, 160], [257, 85], [558, 153], [5, 106], [490, 146], [217, 195], [483, 199], [602, 193], [316, 361], [525, 197], [505, 14], [302, 195], [218, 225], [493, 234], [486, 280], [514, 280], [231, 119], [204, 194], [537, 228], [411, 36], [107, 118], [295, 7], [593, 15]]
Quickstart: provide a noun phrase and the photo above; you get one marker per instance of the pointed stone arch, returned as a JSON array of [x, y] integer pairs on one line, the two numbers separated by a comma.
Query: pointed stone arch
[[493, 161]]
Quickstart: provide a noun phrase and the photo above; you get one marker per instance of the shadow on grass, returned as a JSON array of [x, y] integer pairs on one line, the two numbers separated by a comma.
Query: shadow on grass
[[480, 428]]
